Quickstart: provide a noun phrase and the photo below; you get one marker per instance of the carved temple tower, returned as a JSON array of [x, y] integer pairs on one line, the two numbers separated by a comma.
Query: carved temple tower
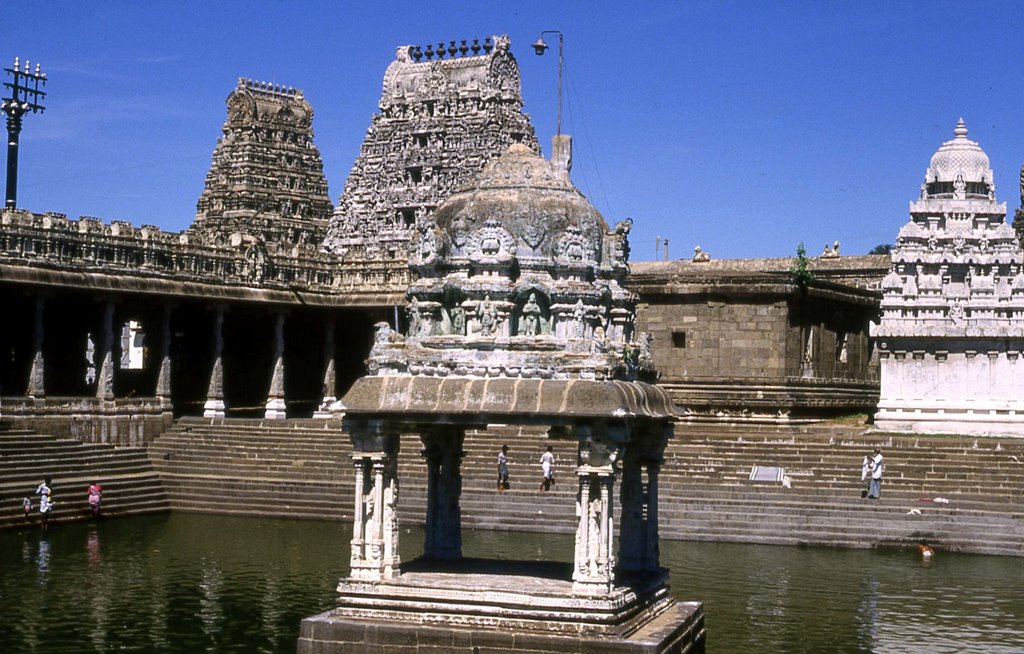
[[517, 317], [444, 113], [951, 333], [266, 180]]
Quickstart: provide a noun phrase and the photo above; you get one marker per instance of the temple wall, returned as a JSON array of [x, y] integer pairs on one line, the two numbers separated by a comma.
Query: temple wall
[[969, 391], [699, 337], [744, 347]]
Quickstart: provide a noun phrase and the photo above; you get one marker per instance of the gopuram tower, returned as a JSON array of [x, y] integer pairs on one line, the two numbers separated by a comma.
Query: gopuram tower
[[518, 317], [444, 113], [951, 332], [266, 179]]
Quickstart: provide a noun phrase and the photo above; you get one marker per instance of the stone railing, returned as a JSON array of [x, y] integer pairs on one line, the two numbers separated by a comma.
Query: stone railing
[[52, 241]]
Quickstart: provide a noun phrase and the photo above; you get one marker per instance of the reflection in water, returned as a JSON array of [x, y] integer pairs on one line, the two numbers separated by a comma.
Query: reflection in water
[[92, 548], [186, 583], [43, 560]]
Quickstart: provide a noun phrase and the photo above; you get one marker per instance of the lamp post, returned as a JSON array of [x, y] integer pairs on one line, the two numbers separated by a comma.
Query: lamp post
[[25, 97], [539, 46]]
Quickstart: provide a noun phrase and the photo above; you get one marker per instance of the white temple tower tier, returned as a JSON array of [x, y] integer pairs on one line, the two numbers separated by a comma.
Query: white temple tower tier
[[951, 331]]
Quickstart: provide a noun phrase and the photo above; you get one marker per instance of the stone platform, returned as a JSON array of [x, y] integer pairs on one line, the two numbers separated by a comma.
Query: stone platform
[[486, 606]]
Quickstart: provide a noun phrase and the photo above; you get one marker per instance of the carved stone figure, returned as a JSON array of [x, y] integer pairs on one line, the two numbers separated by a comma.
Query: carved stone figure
[[488, 317], [458, 318], [415, 319], [531, 316], [579, 319]]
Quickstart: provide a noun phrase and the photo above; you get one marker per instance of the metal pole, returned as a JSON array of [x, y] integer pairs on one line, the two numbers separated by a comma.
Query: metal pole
[[559, 83], [25, 97], [13, 133]]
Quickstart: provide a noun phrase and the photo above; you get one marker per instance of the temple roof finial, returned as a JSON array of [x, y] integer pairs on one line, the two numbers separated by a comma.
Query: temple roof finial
[[961, 129]]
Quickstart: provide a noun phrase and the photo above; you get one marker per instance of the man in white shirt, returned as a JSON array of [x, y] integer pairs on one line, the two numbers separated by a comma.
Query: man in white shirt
[[877, 468]]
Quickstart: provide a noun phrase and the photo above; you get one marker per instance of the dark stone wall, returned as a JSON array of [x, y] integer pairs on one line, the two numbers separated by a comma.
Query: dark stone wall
[[717, 337]]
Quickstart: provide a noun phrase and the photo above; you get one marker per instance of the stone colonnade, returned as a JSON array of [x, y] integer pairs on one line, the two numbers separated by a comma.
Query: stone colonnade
[[64, 347], [606, 453]]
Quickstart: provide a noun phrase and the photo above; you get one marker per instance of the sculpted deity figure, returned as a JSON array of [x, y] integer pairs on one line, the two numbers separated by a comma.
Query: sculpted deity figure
[[956, 313], [959, 187], [458, 315], [427, 244], [415, 322], [531, 316], [578, 316], [488, 317]]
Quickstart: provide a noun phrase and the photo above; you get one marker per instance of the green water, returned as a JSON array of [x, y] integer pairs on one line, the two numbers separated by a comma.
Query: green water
[[197, 583]]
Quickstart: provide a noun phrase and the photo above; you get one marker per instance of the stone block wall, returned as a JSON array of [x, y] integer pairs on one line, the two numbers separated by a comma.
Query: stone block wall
[[699, 337]]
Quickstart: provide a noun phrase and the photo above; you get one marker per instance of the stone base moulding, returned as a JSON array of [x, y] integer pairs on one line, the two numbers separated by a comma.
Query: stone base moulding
[[464, 609]]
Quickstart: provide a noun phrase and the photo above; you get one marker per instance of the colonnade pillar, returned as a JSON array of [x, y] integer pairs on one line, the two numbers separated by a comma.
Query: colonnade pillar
[[36, 377], [443, 529], [163, 377], [214, 406], [374, 555], [105, 375], [329, 404], [275, 408]]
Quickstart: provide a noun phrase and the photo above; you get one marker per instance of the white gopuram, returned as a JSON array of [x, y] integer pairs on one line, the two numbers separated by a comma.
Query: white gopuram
[[952, 325]]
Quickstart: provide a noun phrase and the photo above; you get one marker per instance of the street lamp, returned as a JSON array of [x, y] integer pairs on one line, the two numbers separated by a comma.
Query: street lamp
[[25, 97], [539, 46]]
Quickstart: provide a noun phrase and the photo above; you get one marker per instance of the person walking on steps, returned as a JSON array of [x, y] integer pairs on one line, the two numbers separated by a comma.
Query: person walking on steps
[[877, 466], [547, 466], [503, 484]]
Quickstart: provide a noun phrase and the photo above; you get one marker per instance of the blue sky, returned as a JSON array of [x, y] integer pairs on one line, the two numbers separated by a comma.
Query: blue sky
[[740, 126]]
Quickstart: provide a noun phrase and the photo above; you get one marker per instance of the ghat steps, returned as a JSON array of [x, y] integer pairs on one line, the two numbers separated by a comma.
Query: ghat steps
[[130, 485], [303, 469]]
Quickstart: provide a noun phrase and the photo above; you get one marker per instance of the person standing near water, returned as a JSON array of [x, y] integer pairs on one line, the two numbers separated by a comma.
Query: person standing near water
[[877, 466], [45, 502], [95, 496], [503, 484], [547, 466]]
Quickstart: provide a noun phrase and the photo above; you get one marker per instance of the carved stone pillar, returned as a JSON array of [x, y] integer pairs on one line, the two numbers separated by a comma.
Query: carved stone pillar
[[329, 405], [443, 529], [36, 377], [594, 569], [163, 377], [374, 553], [275, 407], [214, 406], [600, 446], [105, 376]]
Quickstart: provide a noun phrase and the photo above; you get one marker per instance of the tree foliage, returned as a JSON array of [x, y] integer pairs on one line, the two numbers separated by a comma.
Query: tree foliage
[[802, 274]]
